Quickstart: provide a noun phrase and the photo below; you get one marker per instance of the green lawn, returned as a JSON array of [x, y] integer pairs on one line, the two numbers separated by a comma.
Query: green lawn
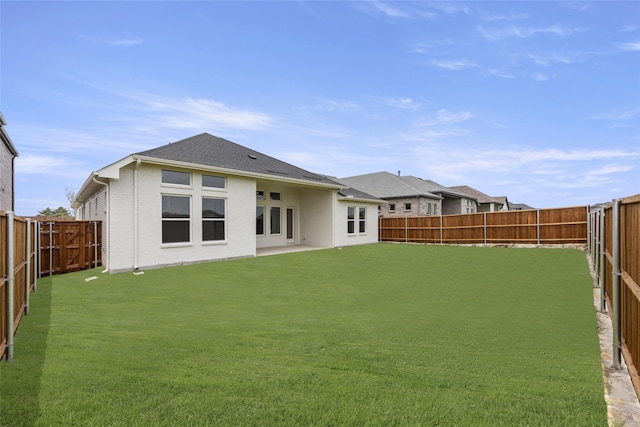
[[382, 335]]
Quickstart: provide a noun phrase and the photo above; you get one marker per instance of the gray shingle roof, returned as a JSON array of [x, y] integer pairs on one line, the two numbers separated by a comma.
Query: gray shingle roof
[[209, 150], [385, 185], [430, 186], [478, 195]]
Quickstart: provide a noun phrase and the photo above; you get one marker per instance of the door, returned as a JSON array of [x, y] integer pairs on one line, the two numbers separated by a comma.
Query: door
[[291, 225]]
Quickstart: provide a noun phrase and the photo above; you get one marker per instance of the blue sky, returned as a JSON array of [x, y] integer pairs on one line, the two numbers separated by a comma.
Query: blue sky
[[536, 101]]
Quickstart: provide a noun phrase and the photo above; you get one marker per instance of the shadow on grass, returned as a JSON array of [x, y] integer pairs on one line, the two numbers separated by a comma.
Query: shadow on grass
[[20, 381]]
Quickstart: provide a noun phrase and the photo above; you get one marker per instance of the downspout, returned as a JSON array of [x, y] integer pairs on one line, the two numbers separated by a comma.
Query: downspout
[[106, 229], [13, 182], [135, 215]]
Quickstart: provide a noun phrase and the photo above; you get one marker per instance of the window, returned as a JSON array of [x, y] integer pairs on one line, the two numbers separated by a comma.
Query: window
[[213, 219], [435, 209], [428, 209], [392, 207], [407, 206], [362, 217], [176, 219], [213, 181], [260, 220], [274, 215], [176, 177], [259, 195], [274, 196], [351, 219]]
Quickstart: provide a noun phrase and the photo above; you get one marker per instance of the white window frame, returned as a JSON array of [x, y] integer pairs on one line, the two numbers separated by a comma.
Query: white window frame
[[264, 220], [172, 184], [211, 188], [351, 220], [169, 219], [223, 220], [362, 220]]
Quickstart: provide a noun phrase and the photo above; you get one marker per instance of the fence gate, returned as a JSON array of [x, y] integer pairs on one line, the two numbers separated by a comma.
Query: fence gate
[[67, 246]]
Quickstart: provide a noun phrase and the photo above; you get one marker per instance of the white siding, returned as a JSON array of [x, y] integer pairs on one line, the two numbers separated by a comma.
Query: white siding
[[316, 218], [343, 238], [150, 251]]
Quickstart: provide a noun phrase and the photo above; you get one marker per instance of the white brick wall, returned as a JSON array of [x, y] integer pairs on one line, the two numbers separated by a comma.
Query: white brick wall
[[133, 237]]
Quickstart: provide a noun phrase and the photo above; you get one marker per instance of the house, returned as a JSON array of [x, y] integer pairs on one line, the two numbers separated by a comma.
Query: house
[[205, 198], [410, 195], [520, 207], [8, 154], [485, 203]]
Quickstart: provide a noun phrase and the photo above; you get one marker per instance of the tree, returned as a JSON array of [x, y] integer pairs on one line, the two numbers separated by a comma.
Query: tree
[[70, 192], [59, 212]]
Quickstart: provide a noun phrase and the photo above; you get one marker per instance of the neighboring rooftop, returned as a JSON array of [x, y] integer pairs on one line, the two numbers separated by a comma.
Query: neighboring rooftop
[[478, 195], [386, 185], [5, 137], [519, 207]]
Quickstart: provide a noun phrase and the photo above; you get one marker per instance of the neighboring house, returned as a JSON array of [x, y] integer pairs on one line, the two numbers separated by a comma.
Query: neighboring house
[[205, 198], [402, 199], [453, 202], [410, 195], [8, 153], [519, 207], [485, 203]]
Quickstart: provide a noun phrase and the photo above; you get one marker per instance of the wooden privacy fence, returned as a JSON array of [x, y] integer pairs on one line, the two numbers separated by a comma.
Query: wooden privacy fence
[[541, 226], [67, 246], [18, 255], [614, 246], [30, 249]]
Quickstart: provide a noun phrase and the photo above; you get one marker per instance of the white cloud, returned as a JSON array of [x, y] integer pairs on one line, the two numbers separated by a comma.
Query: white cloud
[[404, 103], [201, 114], [525, 32], [547, 60], [464, 162], [419, 47], [622, 114], [454, 65], [49, 165], [635, 45], [125, 41], [445, 117], [390, 11], [539, 77], [334, 106], [496, 72], [510, 17]]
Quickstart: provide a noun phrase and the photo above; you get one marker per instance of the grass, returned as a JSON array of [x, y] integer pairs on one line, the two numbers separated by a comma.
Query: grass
[[374, 335]]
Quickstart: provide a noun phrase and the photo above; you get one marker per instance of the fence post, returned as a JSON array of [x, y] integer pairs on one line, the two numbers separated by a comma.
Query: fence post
[[9, 283], [538, 226], [50, 249], [603, 306], [597, 242], [594, 236], [589, 219], [615, 316], [485, 227], [27, 284], [440, 228], [406, 232], [36, 255]]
